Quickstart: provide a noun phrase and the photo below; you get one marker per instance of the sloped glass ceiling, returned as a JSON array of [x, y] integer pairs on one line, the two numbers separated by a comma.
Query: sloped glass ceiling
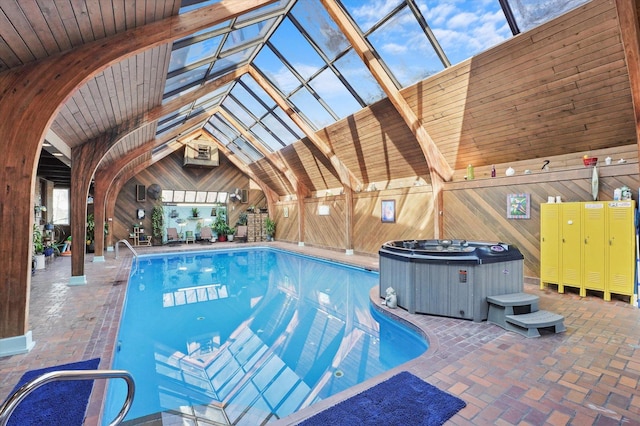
[[303, 54]]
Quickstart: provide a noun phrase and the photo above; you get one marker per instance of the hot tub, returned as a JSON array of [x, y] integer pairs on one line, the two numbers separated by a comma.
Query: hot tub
[[449, 277]]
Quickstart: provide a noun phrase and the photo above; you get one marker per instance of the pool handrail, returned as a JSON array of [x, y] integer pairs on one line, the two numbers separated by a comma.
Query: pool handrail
[[14, 400], [126, 243]]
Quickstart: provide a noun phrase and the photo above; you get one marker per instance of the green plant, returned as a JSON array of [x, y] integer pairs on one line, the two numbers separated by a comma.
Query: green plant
[[270, 226], [243, 218], [38, 246], [157, 221], [91, 226], [195, 212], [220, 226]]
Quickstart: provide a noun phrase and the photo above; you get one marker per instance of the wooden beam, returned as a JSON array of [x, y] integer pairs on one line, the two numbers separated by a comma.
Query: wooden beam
[[435, 160], [347, 178], [630, 33]]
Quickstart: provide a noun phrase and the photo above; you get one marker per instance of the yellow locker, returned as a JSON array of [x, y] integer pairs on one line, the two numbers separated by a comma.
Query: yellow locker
[[594, 238], [621, 249], [571, 246], [549, 244]]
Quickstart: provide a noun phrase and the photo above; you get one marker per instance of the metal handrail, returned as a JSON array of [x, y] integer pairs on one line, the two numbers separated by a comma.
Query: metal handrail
[[126, 243], [12, 402]]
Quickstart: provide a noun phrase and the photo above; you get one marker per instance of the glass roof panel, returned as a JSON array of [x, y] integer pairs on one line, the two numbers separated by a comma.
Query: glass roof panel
[[255, 88], [367, 14], [334, 93], [310, 108], [221, 137], [248, 100], [465, 29], [193, 53], [232, 61], [275, 70], [268, 9], [356, 73], [320, 27], [185, 79], [531, 13], [240, 154], [282, 132], [293, 127], [245, 147], [399, 42], [238, 111], [296, 50], [247, 35], [265, 137]]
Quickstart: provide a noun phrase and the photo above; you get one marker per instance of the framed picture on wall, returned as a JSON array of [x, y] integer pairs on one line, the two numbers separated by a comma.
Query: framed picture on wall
[[388, 214], [518, 206]]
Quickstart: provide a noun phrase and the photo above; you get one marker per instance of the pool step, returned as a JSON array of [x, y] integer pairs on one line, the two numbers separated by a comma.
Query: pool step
[[528, 324], [519, 312]]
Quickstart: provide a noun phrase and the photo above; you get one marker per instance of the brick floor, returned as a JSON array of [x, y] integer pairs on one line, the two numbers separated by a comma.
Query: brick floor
[[586, 375]]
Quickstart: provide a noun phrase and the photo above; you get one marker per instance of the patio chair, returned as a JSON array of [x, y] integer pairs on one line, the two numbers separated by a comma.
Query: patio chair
[[189, 237], [172, 236], [206, 234], [241, 233]]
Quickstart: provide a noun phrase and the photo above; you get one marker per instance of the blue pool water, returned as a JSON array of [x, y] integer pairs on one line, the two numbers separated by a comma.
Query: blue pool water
[[248, 336]]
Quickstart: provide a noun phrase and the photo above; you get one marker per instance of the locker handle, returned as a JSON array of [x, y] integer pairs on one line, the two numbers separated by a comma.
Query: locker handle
[[585, 240], [563, 240]]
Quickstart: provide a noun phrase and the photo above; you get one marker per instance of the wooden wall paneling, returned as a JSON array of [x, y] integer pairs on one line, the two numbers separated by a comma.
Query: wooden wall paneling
[[287, 227], [271, 177], [325, 231], [169, 174], [483, 204], [377, 145], [314, 170], [414, 217]]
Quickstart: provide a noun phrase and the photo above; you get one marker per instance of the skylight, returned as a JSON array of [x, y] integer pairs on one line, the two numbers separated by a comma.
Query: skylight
[[305, 56]]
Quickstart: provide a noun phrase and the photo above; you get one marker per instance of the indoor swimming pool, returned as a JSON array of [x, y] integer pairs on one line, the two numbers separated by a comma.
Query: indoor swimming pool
[[249, 336]]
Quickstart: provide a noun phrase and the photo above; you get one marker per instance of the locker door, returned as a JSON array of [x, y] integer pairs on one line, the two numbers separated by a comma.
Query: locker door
[[571, 246], [593, 220], [621, 256], [549, 244]]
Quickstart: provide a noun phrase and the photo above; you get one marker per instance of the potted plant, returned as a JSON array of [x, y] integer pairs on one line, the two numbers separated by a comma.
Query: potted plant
[[195, 212], [270, 228], [38, 248], [157, 224], [91, 226], [230, 233], [220, 227]]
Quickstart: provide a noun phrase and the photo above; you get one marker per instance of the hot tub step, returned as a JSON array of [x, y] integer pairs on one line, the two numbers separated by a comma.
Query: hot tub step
[[528, 324]]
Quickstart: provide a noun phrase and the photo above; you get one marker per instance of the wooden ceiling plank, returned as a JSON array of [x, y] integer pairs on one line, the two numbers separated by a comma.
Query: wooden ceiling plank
[[81, 15], [69, 22], [95, 17], [19, 46], [108, 17], [119, 16], [53, 20]]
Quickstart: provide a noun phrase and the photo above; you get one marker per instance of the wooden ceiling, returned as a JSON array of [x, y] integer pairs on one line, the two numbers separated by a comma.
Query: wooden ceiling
[[560, 88]]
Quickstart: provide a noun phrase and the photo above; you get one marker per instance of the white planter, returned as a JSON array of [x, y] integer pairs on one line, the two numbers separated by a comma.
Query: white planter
[[230, 237], [39, 258]]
